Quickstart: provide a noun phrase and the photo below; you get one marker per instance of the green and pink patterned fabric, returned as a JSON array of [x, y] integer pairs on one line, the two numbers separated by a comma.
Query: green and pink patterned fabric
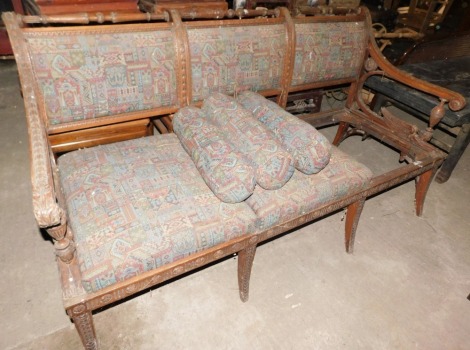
[[304, 193], [309, 148], [229, 59], [225, 170], [328, 51], [274, 166], [137, 205], [85, 75]]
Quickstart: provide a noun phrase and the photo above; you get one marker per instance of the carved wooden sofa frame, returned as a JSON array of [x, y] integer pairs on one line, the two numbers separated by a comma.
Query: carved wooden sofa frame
[[50, 136]]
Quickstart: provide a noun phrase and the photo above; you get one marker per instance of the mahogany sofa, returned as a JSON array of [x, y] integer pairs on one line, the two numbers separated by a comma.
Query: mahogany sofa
[[127, 209]]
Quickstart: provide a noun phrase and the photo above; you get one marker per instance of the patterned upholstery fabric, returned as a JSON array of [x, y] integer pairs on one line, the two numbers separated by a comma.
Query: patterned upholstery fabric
[[225, 170], [231, 59], [304, 193], [136, 205], [274, 165], [328, 51], [84, 75], [309, 148]]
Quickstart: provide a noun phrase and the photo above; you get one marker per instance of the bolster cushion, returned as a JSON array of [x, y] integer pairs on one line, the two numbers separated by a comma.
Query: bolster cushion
[[273, 164], [226, 171], [309, 148]]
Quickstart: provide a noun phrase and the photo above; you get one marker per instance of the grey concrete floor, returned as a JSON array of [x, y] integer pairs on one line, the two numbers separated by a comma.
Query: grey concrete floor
[[405, 286]]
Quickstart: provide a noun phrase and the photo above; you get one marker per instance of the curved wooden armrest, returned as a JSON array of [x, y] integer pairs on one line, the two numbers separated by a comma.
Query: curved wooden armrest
[[456, 100], [47, 211]]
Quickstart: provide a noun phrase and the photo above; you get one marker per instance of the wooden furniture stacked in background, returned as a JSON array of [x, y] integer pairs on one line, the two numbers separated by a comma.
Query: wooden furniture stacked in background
[[126, 216], [11, 5], [159, 6], [423, 15], [445, 62], [54, 7]]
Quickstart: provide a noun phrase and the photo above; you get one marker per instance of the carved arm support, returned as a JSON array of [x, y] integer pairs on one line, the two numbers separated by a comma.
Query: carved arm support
[[47, 211]]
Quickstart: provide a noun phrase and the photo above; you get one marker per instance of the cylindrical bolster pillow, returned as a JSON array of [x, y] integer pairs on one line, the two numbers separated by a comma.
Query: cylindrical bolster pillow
[[309, 148], [226, 171], [274, 165]]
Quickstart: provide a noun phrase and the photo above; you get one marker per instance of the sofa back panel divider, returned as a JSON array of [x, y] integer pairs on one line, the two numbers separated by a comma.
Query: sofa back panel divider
[[128, 210]]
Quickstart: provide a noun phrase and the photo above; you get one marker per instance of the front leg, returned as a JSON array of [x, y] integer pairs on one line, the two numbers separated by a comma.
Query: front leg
[[245, 263], [83, 320]]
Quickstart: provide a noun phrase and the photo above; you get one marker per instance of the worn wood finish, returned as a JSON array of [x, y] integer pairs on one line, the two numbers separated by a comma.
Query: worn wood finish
[[421, 159]]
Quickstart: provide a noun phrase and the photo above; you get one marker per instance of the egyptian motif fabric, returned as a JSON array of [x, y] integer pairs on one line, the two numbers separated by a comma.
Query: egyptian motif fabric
[[273, 165], [328, 51], [85, 75], [225, 170], [308, 147], [231, 59], [305, 193], [137, 205]]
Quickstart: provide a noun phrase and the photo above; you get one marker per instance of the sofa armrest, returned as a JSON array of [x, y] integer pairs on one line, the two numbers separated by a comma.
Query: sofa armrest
[[46, 204], [46, 194]]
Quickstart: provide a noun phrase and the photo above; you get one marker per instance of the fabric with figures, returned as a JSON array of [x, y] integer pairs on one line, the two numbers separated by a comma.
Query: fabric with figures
[[225, 170], [328, 51], [304, 193], [274, 166], [309, 148], [236, 58], [137, 205], [86, 75]]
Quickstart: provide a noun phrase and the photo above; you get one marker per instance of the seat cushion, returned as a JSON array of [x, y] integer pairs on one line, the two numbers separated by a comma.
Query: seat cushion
[[309, 148], [226, 171], [136, 205], [273, 164], [303, 193]]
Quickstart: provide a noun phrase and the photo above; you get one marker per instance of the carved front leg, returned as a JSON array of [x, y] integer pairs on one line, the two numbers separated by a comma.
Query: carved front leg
[[245, 263], [83, 320]]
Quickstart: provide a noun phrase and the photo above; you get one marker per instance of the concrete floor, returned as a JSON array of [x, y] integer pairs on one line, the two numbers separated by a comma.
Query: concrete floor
[[405, 287]]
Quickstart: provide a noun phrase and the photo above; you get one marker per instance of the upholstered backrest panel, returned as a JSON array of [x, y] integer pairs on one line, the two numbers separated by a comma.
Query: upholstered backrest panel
[[84, 74], [235, 58], [328, 51]]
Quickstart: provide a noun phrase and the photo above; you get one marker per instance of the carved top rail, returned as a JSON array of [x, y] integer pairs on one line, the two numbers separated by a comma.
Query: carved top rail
[[185, 14], [123, 17]]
